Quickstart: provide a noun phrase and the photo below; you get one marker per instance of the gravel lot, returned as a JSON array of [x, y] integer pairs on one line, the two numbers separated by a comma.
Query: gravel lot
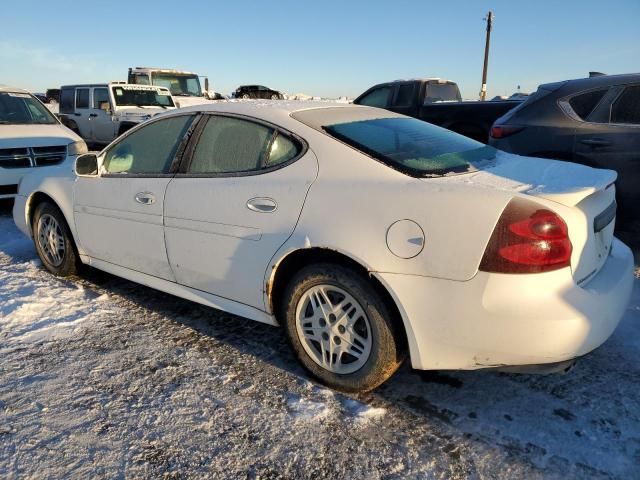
[[100, 377]]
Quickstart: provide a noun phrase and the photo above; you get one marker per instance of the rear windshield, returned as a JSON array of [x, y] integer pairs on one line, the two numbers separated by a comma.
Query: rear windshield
[[441, 92], [23, 109], [413, 146]]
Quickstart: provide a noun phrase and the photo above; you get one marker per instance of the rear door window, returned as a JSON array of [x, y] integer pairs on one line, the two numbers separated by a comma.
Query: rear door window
[[82, 98], [230, 145], [404, 95], [67, 97], [626, 109], [376, 98]]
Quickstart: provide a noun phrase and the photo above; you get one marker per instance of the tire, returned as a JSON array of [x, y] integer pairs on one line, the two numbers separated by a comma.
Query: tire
[[275, 97], [63, 261], [246, 96], [367, 348]]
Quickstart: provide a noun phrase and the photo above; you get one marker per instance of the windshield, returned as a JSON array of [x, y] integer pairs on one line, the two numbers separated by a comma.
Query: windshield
[[413, 146], [180, 85], [442, 92], [132, 96], [21, 108]]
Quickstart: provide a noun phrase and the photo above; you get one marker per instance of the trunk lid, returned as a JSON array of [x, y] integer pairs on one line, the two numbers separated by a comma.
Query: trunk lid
[[585, 199]]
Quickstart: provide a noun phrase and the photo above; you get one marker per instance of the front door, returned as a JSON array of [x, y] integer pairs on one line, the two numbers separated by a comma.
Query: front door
[[119, 213], [612, 141], [234, 205], [103, 129]]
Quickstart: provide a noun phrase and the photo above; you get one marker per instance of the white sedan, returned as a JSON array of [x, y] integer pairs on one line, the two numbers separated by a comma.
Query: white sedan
[[367, 235]]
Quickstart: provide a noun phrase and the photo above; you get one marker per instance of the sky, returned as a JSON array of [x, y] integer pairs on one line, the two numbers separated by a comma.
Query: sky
[[328, 48]]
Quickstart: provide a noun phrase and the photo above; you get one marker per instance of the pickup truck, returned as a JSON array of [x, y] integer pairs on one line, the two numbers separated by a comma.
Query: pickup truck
[[437, 101]]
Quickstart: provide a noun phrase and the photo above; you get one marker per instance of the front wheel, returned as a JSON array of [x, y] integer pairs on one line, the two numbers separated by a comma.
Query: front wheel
[[53, 240], [340, 328]]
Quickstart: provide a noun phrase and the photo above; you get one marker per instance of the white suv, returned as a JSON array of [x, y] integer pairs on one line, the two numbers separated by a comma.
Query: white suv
[[31, 137], [101, 112]]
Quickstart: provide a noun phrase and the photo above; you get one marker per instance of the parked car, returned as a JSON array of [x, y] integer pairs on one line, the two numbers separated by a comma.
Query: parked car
[[257, 91], [593, 121], [466, 257], [437, 101], [42, 97], [101, 112], [31, 138], [53, 95]]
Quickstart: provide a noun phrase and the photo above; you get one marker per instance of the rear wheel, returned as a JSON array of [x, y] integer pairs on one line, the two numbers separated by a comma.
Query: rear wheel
[[275, 96], [340, 328], [245, 96], [53, 240]]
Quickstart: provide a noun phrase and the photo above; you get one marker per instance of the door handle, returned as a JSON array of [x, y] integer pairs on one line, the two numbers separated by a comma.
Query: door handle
[[93, 114], [145, 198], [596, 142], [262, 204]]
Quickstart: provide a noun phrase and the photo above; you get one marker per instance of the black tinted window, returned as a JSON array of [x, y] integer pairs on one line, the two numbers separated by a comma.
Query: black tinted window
[[82, 98], [376, 98], [405, 95], [626, 108], [230, 145], [150, 149], [584, 103], [67, 96]]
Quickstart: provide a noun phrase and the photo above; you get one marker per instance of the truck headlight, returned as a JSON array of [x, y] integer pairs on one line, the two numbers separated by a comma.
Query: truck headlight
[[77, 148]]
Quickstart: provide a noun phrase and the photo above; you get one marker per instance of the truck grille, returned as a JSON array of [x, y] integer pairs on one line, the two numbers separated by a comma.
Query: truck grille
[[32, 156]]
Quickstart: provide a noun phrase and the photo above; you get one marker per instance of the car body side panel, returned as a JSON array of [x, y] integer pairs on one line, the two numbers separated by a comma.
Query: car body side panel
[[355, 193]]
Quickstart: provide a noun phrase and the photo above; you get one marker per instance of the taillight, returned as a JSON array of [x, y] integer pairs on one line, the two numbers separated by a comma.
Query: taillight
[[502, 131], [527, 239]]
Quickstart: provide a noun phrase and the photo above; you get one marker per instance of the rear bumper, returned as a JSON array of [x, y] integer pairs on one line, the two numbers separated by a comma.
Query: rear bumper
[[505, 320]]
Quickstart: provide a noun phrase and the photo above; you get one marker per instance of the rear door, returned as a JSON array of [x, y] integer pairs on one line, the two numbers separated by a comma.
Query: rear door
[[235, 202], [611, 139], [82, 112]]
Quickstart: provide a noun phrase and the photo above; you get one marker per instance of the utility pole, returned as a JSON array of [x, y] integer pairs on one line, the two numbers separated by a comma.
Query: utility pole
[[483, 91]]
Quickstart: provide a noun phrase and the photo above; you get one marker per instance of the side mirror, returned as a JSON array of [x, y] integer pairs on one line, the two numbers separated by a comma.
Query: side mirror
[[87, 165]]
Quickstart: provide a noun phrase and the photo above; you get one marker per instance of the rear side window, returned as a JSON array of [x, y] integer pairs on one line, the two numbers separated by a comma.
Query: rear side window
[[405, 95], [67, 96], [150, 149], [229, 145], [376, 98], [626, 108], [584, 103], [82, 98]]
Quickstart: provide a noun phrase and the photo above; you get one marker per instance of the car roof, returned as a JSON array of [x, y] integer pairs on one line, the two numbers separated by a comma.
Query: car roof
[[597, 81], [270, 110], [7, 88]]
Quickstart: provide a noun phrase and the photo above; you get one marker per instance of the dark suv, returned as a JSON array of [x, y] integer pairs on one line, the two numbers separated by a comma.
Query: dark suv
[[594, 121], [257, 91]]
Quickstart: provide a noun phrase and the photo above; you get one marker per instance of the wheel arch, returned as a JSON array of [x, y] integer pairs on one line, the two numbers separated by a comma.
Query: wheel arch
[[291, 263], [39, 196]]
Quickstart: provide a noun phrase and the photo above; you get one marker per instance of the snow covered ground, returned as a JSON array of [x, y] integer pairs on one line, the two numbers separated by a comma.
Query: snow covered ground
[[100, 377]]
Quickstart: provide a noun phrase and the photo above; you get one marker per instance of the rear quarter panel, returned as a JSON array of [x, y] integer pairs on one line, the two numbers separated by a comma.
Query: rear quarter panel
[[355, 200]]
